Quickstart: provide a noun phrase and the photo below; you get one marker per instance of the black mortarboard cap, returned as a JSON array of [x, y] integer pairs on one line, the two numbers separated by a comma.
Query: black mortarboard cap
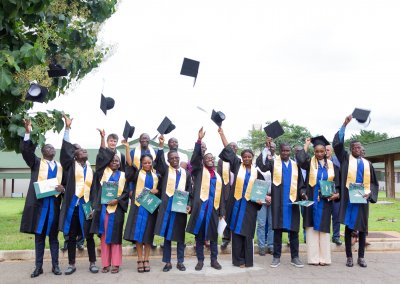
[[319, 140], [128, 131], [274, 129], [36, 93], [166, 126], [190, 68], [106, 103], [218, 117], [361, 115], [56, 70]]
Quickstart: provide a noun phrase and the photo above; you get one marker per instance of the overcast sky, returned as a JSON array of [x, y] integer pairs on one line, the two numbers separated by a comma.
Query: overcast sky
[[309, 62]]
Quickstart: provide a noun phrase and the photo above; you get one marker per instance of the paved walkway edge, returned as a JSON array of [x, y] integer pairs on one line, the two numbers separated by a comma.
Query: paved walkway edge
[[189, 251]]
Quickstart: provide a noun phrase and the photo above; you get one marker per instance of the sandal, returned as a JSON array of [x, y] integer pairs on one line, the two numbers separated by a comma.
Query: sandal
[[115, 269], [146, 267], [105, 269], [140, 269]]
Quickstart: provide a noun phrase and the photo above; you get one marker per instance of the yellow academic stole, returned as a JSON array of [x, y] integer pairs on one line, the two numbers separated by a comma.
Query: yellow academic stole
[[352, 174], [312, 180], [226, 167], [277, 177], [82, 185], [172, 181], [121, 184], [44, 171], [205, 187], [240, 182], [140, 183], [138, 154]]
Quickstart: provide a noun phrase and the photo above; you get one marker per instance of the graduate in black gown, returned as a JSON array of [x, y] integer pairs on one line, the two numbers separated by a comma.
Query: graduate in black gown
[[354, 169], [112, 141], [40, 216], [317, 217], [108, 219], [171, 225], [140, 224], [287, 187], [78, 183], [241, 212], [208, 205]]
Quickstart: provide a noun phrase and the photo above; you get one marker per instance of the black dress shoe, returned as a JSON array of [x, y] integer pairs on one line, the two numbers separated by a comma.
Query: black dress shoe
[[80, 247], [361, 262], [56, 270], [36, 272], [180, 266], [70, 270], [167, 267], [224, 244], [65, 247], [337, 241], [199, 265], [349, 262], [215, 264]]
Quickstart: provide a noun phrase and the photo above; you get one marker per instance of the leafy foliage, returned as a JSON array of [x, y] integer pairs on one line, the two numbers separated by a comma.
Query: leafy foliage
[[33, 34], [367, 136]]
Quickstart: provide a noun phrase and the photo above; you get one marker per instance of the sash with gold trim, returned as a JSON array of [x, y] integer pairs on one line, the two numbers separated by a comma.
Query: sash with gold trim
[[312, 180], [82, 184], [138, 154], [171, 182], [205, 187], [226, 168], [140, 183], [121, 184], [240, 182], [277, 177], [352, 174]]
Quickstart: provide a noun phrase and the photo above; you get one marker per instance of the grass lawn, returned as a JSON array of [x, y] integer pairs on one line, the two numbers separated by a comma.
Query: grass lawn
[[382, 217]]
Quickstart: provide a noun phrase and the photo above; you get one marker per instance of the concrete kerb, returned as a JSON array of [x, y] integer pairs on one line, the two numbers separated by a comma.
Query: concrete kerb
[[189, 251]]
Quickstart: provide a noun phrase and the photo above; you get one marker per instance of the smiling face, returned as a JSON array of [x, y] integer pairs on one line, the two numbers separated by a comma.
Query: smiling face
[[285, 152], [81, 155], [208, 160], [48, 152], [144, 140], [173, 159], [319, 152], [173, 144], [247, 158], [114, 164], [147, 163], [356, 149]]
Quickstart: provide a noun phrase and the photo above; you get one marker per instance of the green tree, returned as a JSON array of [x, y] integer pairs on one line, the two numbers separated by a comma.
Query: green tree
[[33, 34], [367, 136]]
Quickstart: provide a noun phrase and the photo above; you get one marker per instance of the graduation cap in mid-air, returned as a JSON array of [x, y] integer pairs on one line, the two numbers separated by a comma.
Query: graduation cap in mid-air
[[36, 93], [362, 115], [218, 117], [56, 70], [128, 131], [190, 68], [166, 126], [319, 140], [274, 129], [106, 103]]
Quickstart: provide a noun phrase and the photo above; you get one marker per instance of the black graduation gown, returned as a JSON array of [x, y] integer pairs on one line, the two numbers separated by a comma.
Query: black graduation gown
[[197, 174], [130, 228], [102, 160], [68, 163], [361, 222], [250, 216], [179, 225], [304, 160], [277, 197], [226, 188], [33, 206]]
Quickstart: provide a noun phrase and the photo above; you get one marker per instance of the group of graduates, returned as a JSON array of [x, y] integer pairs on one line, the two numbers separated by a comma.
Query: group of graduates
[[214, 196]]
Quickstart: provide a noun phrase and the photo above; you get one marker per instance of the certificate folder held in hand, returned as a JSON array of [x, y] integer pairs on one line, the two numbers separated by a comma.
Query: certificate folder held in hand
[[180, 201], [87, 209], [148, 200], [46, 188], [327, 188], [356, 193], [304, 203], [109, 191], [259, 190]]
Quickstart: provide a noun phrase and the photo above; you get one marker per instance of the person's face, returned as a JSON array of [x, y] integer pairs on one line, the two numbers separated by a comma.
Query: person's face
[[247, 159], [328, 151], [81, 155], [319, 152], [285, 153], [147, 164], [144, 140], [112, 143], [48, 152], [114, 164], [356, 149], [234, 147], [272, 148], [208, 160], [173, 144], [203, 147], [173, 159]]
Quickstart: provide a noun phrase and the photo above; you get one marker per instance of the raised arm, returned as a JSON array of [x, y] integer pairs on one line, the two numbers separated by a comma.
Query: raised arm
[[159, 163], [128, 157], [223, 138], [303, 159], [197, 157], [27, 147], [102, 135], [338, 141], [67, 149]]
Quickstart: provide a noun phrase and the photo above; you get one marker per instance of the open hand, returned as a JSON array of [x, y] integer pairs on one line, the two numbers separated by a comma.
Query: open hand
[[201, 134], [102, 132], [68, 121], [113, 202]]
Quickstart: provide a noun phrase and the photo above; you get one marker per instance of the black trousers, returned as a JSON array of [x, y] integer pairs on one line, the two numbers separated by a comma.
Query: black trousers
[[74, 231], [361, 242], [40, 242], [294, 243], [242, 250]]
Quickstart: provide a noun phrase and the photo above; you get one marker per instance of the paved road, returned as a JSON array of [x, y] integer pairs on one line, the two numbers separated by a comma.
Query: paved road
[[382, 268]]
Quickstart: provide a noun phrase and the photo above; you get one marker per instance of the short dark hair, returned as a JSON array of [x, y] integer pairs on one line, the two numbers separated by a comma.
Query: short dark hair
[[112, 136], [246, 151], [283, 144], [146, 155], [352, 142]]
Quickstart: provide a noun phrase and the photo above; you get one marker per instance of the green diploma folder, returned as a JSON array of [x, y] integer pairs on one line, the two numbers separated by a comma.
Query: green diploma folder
[[109, 191], [356, 192], [148, 200], [46, 188], [327, 188], [259, 190], [180, 201], [304, 203], [87, 209]]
